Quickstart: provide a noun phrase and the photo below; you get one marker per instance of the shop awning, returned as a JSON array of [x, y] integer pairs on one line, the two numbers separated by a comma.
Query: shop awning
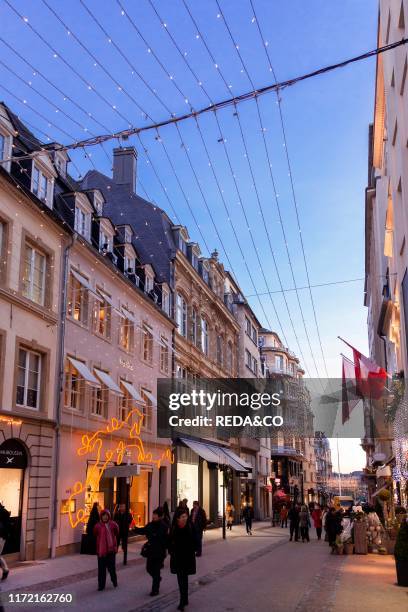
[[133, 392], [151, 397], [217, 454], [85, 283], [122, 471], [126, 313], [84, 372], [106, 297], [108, 381]]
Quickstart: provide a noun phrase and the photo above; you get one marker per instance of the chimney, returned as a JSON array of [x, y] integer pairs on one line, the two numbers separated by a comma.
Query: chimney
[[124, 167]]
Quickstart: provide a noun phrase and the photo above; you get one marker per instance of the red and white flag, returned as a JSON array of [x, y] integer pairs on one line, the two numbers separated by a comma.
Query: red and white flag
[[370, 377]]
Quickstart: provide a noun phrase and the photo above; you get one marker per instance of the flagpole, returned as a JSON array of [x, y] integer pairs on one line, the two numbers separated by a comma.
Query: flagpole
[[338, 462]]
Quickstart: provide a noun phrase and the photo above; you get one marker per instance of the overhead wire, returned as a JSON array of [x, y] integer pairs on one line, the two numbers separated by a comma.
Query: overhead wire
[[293, 191]]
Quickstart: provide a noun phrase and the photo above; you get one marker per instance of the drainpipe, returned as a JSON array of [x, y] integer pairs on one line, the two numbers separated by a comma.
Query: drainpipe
[[58, 393]]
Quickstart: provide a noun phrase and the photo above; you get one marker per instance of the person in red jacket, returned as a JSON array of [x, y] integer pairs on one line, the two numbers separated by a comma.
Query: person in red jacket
[[317, 520], [106, 533]]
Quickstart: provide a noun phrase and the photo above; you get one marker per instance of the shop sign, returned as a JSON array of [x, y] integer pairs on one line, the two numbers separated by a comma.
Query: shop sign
[[12, 455]]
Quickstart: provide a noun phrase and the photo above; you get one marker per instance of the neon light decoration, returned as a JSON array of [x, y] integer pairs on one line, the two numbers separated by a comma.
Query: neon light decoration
[[95, 444], [10, 420]]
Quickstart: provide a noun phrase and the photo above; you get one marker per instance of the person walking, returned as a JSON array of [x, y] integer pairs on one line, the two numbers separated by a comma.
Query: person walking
[[325, 512], [293, 516], [198, 519], [90, 540], [166, 515], [304, 523], [333, 527], [155, 548], [4, 534], [107, 534], [284, 516], [229, 515], [248, 515], [123, 520], [182, 548], [317, 520]]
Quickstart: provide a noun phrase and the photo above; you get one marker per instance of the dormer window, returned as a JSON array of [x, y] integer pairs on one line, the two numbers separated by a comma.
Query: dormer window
[[42, 185], [98, 204], [61, 160], [82, 221], [128, 235], [165, 303], [105, 242], [149, 280], [5, 150]]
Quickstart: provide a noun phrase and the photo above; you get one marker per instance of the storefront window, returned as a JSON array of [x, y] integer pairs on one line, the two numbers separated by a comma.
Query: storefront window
[[187, 482], [139, 498]]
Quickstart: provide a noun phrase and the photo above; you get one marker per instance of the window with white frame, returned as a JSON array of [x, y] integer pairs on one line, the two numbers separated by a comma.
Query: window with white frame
[[5, 150], [147, 343], [78, 300], [99, 401], [126, 334], [181, 315], [166, 301], [149, 281], [74, 388], [105, 241], [164, 354], [42, 185], [128, 235], [125, 403], [28, 379], [254, 366], [205, 339], [279, 362], [102, 317], [82, 222], [147, 409], [129, 264], [248, 359], [34, 274]]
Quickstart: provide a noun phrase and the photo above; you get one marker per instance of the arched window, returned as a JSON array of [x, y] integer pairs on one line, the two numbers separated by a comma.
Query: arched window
[[205, 344], [181, 315]]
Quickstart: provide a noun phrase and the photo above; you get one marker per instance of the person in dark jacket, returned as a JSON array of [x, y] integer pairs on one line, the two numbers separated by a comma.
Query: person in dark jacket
[[182, 548], [333, 527], [156, 533], [93, 520], [293, 516], [248, 515], [198, 519], [304, 523], [123, 519], [106, 533], [4, 534], [166, 514]]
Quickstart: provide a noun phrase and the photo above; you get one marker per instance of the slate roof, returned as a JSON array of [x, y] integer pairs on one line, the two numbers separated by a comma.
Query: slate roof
[[150, 223]]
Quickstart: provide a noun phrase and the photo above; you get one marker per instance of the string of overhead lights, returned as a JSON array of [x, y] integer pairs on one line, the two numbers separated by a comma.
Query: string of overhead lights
[[262, 129], [84, 145], [293, 191], [197, 80], [232, 101], [240, 199]]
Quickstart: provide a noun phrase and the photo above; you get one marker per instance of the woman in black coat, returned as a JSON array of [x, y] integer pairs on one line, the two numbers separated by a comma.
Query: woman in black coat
[[182, 548], [333, 526], [93, 520], [156, 533]]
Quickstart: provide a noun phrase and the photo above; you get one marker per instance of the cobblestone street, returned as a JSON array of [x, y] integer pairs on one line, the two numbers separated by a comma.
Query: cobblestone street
[[261, 572]]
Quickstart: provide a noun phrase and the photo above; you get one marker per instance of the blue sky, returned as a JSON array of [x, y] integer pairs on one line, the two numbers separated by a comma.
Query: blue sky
[[326, 122]]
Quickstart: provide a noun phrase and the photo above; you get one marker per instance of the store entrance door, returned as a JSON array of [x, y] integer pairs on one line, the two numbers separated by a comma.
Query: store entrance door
[[13, 462]]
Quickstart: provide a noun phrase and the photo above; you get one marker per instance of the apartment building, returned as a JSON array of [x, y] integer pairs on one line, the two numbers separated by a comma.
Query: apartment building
[[33, 247], [386, 259]]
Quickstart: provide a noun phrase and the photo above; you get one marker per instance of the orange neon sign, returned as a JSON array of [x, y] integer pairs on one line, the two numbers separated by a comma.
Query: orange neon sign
[[10, 420], [95, 444]]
